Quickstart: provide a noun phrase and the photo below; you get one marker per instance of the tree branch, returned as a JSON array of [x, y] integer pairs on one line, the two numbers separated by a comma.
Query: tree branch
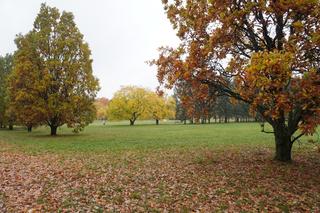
[[297, 138]]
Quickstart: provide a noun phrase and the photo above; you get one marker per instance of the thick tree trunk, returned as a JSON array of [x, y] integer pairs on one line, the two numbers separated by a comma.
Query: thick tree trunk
[[29, 128], [10, 127], [283, 145], [53, 130], [157, 121], [132, 122]]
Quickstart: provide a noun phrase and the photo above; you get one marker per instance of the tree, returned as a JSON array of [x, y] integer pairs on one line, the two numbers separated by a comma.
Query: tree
[[181, 112], [52, 81], [129, 103], [170, 106], [270, 49], [101, 105], [160, 107], [194, 103], [5, 70]]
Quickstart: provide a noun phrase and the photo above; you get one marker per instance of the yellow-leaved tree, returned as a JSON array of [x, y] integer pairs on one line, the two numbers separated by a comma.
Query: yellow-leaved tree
[[52, 82], [161, 107], [129, 103], [132, 103]]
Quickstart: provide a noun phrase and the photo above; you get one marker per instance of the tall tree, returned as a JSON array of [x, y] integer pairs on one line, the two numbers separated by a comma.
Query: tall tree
[[5, 70], [269, 48], [52, 81]]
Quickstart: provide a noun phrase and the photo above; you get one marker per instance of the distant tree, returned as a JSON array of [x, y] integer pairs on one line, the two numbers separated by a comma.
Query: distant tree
[[129, 103], [223, 108], [270, 49], [160, 107], [181, 112], [52, 81], [241, 112], [199, 105], [101, 108], [184, 102], [170, 105], [5, 69], [193, 103]]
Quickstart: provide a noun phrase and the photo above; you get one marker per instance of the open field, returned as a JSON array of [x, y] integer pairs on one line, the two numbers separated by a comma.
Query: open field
[[153, 168]]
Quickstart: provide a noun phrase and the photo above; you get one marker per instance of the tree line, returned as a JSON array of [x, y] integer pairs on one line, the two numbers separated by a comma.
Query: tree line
[[133, 103], [201, 109]]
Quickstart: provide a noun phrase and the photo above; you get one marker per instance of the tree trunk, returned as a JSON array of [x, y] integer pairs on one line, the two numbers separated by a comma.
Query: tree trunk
[[10, 127], [132, 122], [157, 121], [29, 128], [283, 146], [53, 130]]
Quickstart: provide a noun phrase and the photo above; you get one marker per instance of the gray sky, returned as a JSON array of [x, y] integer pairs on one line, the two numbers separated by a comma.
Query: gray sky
[[122, 34]]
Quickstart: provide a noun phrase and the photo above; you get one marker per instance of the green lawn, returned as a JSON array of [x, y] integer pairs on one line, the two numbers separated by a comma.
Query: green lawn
[[144, 136], [149, 168]]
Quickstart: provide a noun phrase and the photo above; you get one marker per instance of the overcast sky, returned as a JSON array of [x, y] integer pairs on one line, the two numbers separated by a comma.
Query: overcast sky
[[122, 34]]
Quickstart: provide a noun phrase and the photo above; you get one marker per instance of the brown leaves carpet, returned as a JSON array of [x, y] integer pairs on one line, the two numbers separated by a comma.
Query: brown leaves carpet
[[165, 181]]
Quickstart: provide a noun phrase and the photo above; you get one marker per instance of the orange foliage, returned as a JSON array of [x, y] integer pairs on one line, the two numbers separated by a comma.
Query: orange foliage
[[268, 50]]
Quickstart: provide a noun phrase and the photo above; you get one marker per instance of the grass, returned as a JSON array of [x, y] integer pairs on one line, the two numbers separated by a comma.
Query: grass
[[142, 137], [149, 168]]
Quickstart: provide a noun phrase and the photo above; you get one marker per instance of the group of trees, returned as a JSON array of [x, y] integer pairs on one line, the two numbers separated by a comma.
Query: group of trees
[[261, 54], [268, 50], [50, 81], [206, 108], [132, 103]]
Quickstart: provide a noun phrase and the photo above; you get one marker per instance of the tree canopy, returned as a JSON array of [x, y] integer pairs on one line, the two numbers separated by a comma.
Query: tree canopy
[[160, 107], [129, 103], [132, 103], [52, 82], [269, 50]]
